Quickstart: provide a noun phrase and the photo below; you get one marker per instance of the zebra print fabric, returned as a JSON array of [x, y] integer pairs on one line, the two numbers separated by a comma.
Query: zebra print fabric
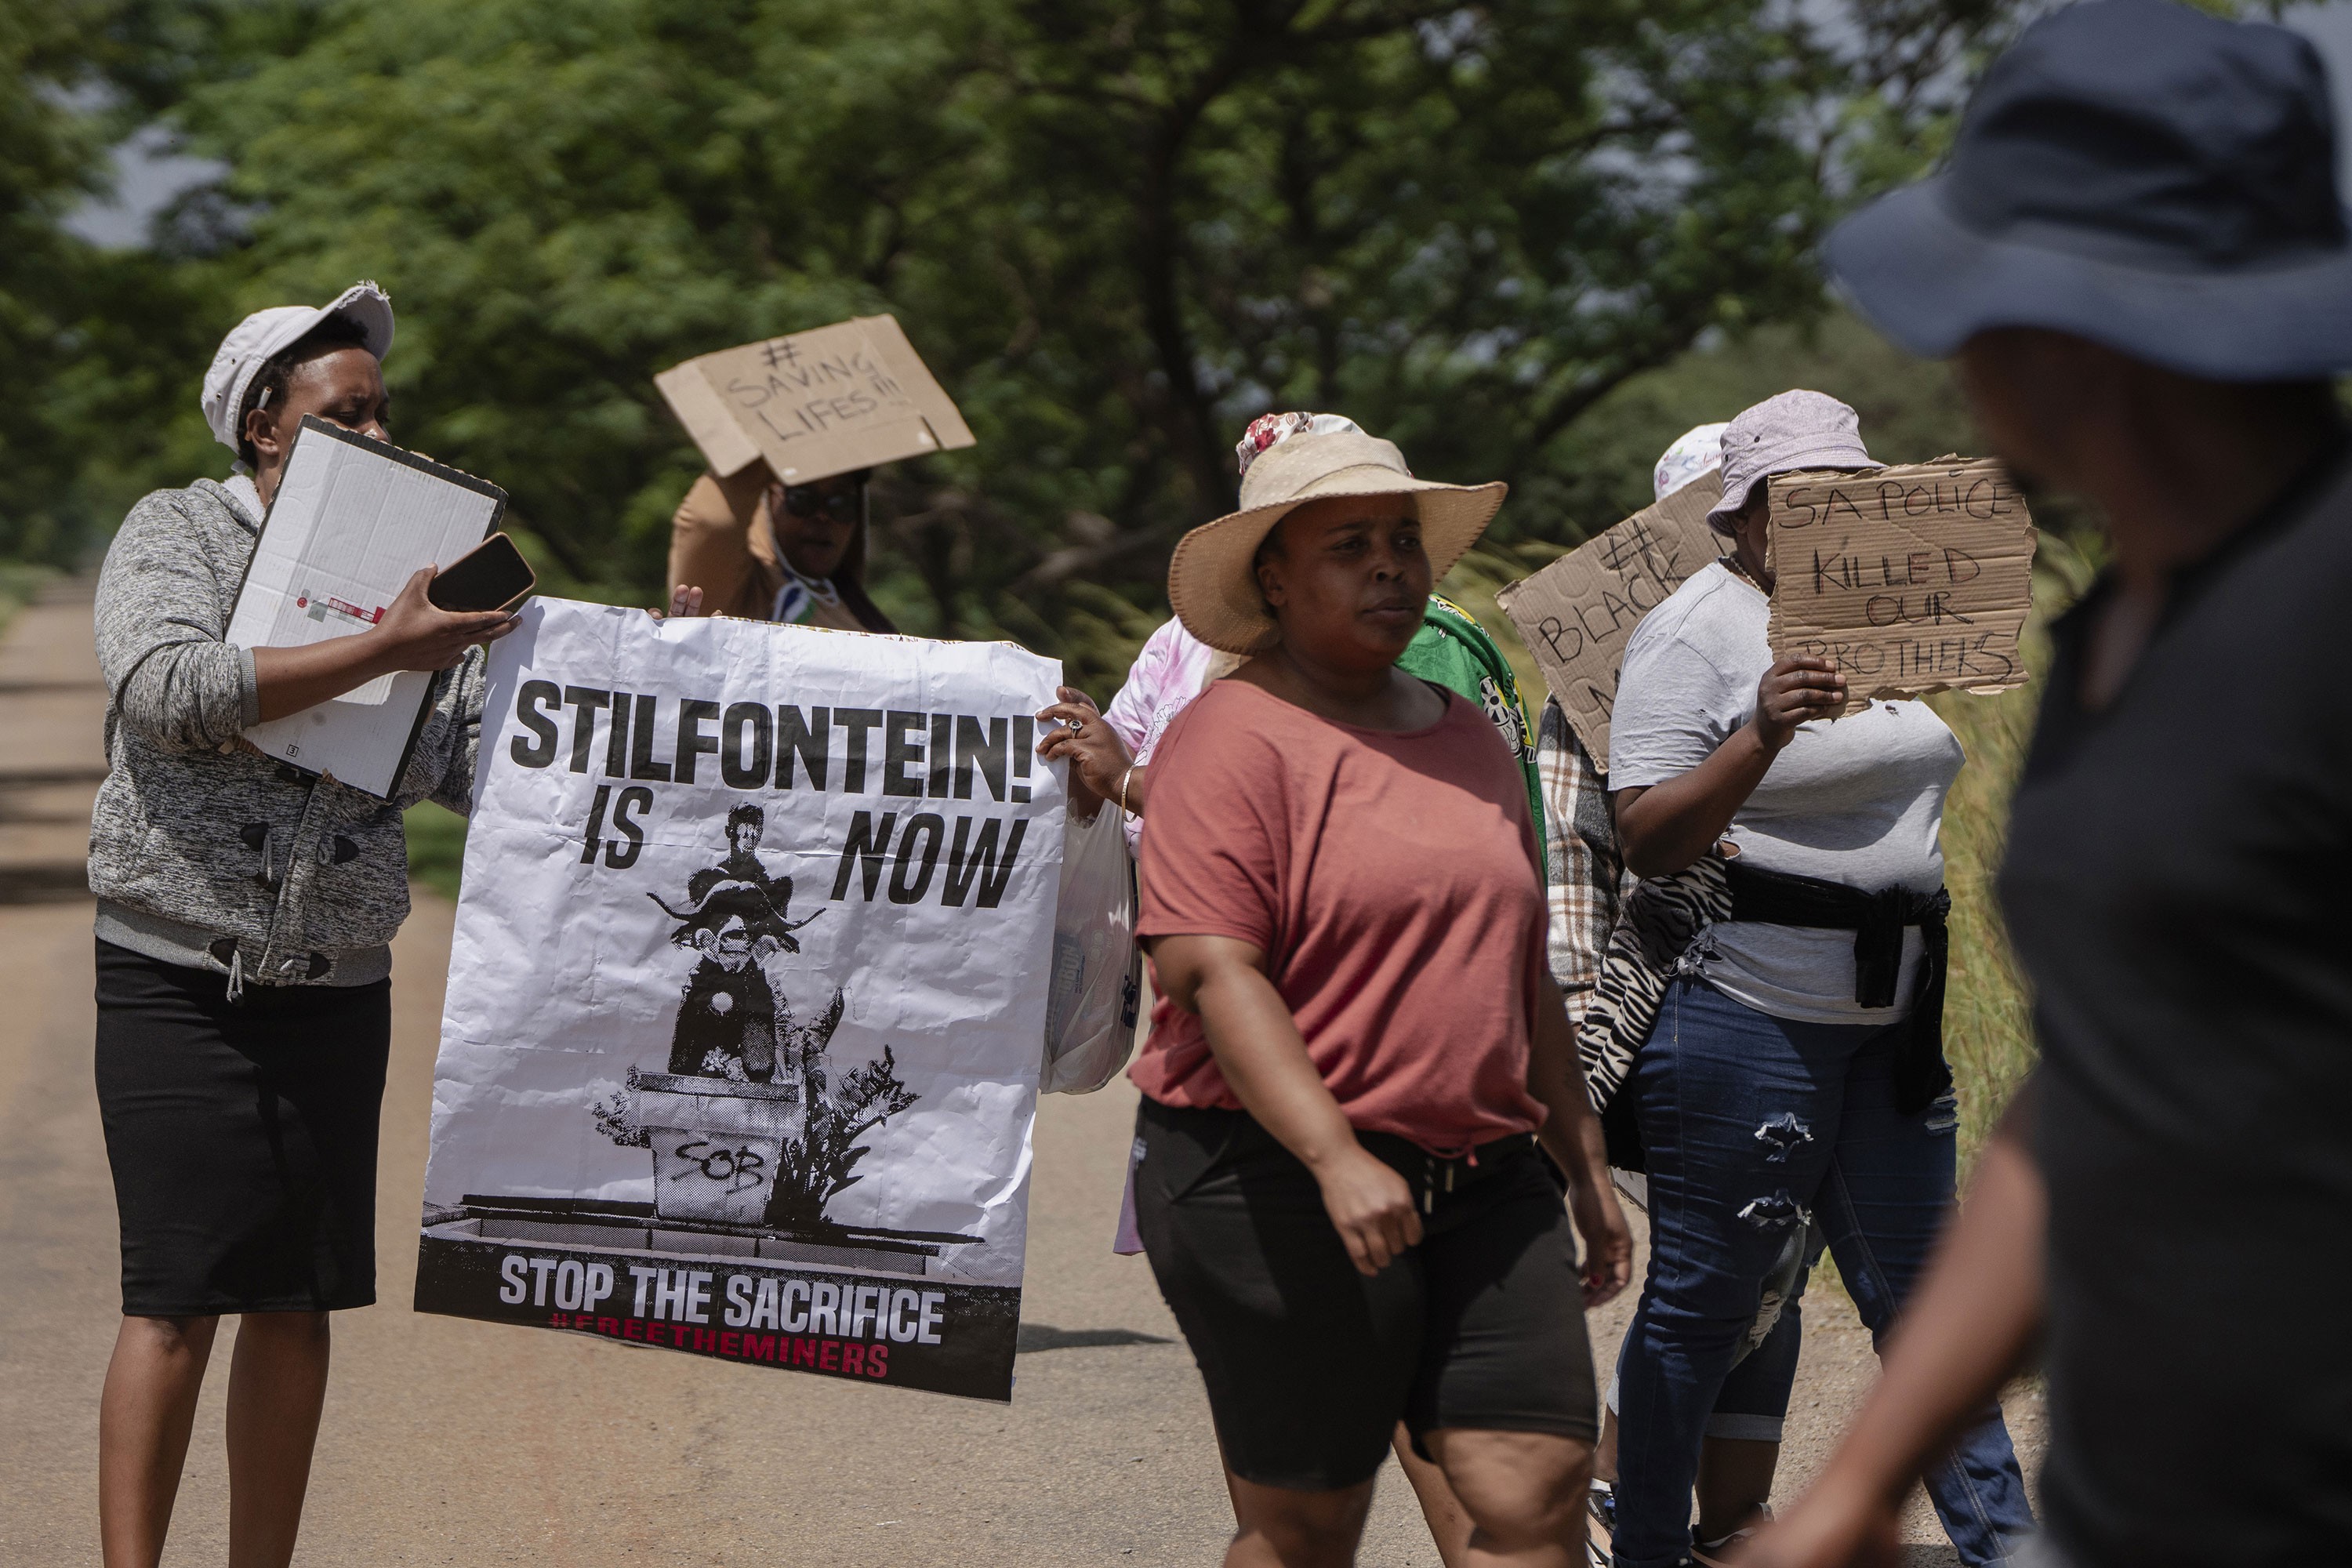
[[1659, 920]]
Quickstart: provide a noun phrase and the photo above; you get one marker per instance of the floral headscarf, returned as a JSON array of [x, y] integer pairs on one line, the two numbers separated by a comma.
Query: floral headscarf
[[1272, 429], [1696, 452]]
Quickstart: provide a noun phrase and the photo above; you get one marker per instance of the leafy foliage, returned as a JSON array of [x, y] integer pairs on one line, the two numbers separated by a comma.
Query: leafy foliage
[[73, 320], [1117, 228], [616, 1115]]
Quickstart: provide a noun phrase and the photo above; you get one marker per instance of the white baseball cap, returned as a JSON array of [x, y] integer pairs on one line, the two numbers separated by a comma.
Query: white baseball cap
[[252, 342]]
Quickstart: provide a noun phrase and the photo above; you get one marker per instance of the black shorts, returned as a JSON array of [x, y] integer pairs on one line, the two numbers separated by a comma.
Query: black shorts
[[1309, 1364], [243, 1137]]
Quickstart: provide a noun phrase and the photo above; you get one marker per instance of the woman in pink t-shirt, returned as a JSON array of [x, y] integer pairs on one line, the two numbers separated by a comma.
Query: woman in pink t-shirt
[[1358, 1048]]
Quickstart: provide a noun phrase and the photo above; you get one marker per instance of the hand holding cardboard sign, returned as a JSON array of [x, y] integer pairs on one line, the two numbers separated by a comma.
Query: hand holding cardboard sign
[[1907, 580], [415, 634], [1793, 691]]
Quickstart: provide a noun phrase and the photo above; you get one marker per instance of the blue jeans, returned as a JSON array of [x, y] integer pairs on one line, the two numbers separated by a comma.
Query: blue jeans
[[1752, 1125], [1753, 1404]]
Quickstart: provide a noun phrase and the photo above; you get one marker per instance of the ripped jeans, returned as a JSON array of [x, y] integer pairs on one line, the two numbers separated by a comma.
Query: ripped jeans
[[1754, 1124]]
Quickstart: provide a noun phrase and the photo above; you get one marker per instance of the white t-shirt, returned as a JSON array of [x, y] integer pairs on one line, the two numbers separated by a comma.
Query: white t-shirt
[[1858, 800]]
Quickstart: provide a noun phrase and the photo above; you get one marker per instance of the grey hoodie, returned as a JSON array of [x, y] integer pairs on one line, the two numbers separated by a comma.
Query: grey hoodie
[[202, 851]]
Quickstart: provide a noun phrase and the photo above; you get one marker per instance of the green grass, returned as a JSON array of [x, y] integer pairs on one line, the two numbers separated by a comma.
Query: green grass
[[1987, 1025], [1988, 1014], [436, 849]]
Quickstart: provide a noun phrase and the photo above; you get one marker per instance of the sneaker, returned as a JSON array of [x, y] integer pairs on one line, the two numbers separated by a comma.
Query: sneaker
[[1600, 1523], [1725, 1552]]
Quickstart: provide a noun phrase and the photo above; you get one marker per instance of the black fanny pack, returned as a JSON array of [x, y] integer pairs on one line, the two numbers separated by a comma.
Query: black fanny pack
[[1878, 921]]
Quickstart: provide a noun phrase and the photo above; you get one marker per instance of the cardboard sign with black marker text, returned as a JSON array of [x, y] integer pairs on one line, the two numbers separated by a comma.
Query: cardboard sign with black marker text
[[815, 404], [741, 1051], [1910, 580], [1576, 614]]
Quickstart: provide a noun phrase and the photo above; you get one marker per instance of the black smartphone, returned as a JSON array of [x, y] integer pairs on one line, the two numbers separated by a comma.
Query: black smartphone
[[490, 576]]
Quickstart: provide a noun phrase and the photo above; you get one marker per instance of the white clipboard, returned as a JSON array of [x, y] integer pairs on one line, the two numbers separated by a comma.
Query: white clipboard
[[353, 520]]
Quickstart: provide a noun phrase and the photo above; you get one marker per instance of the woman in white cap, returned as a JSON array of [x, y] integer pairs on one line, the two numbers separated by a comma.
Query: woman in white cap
[[244, 916], [1357, 1047], [1795, 1073], [1741, 1448]]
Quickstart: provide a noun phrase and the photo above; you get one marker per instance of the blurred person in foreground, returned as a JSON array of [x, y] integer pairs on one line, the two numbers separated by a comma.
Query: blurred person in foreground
[[1356, 1045], [1794, 1072], [245, 913], [752, 546], [1111, 752], [2138, 256]]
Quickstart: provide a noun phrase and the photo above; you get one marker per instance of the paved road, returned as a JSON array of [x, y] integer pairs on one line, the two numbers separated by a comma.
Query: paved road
[[452, 1442]]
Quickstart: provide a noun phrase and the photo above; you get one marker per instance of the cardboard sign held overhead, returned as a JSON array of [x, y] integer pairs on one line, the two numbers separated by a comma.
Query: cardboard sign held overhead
[[1910, 580], [815, 404], [1576, 614]]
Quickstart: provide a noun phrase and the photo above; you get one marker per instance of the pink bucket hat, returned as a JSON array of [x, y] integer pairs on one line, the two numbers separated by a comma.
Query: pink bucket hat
[[1782, 434]]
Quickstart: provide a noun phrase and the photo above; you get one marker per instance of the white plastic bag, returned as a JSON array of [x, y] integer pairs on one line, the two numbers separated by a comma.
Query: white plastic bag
[[1098, 978]]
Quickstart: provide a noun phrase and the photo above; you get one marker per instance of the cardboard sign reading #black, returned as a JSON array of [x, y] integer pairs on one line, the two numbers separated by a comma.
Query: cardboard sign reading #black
[[1576, 614], [1910, 579], [815, 404]]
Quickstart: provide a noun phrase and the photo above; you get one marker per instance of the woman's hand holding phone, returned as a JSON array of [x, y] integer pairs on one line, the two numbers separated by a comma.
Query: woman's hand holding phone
[[415, 634]]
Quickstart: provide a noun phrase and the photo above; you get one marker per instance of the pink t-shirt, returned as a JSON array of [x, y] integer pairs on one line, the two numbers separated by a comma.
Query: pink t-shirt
[[1391, 880]]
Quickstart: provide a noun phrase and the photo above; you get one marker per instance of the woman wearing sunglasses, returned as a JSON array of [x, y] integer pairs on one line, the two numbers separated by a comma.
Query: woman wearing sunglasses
[[751, 546]]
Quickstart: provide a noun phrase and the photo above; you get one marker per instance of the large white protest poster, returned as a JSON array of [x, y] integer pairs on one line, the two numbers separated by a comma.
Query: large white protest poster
[[748, 995]]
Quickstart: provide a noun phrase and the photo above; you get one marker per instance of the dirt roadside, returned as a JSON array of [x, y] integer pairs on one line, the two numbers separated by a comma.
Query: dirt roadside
[[458, 1443]]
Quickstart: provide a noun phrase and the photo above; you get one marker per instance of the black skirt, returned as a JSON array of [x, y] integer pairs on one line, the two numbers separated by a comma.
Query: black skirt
[[243, 1137]]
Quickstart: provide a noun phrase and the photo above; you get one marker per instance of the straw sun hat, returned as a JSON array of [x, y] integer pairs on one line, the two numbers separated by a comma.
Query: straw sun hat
[[1212, 577]]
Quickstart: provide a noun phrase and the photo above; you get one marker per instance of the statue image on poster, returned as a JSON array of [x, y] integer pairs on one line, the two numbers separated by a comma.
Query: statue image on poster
[[737, 916], [732, 1026]]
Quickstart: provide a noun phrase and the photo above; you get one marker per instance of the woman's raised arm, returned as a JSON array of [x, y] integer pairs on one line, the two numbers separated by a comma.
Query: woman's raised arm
[[1664, 828]]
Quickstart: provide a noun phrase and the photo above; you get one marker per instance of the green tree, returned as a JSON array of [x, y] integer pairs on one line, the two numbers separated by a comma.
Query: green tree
[[51, 149], [96, 343], [1117, 228]]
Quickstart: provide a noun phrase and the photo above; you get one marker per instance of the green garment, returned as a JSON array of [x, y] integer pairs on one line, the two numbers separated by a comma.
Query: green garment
[[1452, 651]]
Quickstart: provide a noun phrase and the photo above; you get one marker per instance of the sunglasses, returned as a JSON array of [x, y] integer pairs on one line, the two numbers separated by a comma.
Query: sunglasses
[[847, 503]]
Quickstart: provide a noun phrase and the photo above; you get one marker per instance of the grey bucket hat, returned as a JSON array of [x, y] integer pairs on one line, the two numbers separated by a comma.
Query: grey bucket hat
[[2138, 173], [1782, 434]]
